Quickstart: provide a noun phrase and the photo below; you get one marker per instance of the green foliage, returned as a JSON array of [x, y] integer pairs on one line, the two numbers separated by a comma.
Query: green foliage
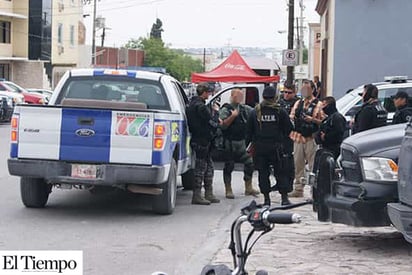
[[157, 54], [305, 55]]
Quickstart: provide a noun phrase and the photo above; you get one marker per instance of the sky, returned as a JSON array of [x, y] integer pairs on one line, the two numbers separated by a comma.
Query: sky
[[199, 23]]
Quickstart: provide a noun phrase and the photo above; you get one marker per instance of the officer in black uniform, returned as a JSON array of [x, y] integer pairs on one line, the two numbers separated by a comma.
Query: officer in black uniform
[[287, 101], [268, 127], [202, 125], [403, 112], [372, 114], [332, 128]]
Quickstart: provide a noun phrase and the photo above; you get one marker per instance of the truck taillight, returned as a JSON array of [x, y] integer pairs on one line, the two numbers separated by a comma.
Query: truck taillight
[[160, 135], [14, 128]]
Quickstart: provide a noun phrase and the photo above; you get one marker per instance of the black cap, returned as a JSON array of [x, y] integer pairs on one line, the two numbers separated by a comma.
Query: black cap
[[401, 94], [203, 87], [269, 92]]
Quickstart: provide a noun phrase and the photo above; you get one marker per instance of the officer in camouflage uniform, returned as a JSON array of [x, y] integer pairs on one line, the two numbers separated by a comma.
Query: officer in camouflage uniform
[[202, 125], [234, 117]]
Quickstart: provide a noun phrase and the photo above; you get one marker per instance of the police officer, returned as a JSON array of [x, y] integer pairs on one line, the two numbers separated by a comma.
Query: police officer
[[372, 114], [268, 127], [202, 125], [287, 101], [332, 129], [403, 112], [234, 117]]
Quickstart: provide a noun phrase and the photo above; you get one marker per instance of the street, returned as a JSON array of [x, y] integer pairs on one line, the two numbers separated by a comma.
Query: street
[[118, 234]]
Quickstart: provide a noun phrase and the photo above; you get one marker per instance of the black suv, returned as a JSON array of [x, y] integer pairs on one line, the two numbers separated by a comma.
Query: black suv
[[358, 191], [400, 213]]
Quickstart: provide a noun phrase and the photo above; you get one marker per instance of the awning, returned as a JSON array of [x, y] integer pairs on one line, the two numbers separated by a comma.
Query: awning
[[233, 69]]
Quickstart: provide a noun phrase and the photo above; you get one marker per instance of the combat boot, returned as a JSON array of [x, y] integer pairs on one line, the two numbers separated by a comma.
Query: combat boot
[[209, 195], [197, 198], [249, 191], [228, 191], [297, 193], [285, 199]]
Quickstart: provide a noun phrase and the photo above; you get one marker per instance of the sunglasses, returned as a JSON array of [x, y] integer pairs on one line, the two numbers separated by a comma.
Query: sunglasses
[[289, 93]]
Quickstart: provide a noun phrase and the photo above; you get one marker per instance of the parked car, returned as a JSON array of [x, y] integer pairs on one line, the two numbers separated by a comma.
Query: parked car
[[400, 212], [6, 107], [47, 94], [28, 97], [358, 189], [350, 104], [7, 91]]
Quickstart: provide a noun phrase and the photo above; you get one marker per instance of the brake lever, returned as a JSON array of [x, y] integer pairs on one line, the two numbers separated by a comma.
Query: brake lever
[[291, 206], [249, 208]]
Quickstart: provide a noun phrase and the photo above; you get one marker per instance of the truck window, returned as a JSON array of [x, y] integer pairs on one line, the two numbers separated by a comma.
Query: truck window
[[386, 97], [117, 89]]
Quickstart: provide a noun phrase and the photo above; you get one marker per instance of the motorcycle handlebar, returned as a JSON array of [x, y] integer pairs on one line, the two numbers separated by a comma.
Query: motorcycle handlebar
[[283, 218]]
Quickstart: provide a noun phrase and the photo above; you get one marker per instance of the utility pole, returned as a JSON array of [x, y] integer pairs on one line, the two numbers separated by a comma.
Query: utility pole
[[291, 7], [300, 32], [94, 33]]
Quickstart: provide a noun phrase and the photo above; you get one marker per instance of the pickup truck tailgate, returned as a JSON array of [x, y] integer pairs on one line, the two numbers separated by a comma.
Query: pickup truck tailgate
[[85, 135]]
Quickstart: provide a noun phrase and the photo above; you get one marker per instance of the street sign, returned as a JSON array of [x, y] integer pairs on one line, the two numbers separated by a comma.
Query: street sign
[[290, 58]]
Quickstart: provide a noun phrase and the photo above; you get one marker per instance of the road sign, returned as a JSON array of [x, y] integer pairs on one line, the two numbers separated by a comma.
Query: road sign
[[290, 58]]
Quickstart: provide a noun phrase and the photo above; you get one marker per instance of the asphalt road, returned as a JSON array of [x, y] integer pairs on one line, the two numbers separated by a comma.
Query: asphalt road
[[116, 231]]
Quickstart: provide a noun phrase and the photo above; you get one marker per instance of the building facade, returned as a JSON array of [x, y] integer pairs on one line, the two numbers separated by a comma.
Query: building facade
[[14, 39], [314, 50], [56, 34], [362, 41]]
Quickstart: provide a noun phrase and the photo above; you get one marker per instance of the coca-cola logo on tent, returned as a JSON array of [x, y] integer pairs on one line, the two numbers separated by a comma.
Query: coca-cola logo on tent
[[235, 67]]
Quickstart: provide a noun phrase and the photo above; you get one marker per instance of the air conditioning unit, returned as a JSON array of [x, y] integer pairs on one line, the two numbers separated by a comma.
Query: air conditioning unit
[[61, 7], [60, 49]]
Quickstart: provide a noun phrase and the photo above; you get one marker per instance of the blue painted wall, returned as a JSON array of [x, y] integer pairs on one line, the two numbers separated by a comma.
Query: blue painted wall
[[373, 39]]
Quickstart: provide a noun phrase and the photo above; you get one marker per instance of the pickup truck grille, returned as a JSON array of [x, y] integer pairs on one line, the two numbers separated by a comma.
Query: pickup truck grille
[[351, 167]]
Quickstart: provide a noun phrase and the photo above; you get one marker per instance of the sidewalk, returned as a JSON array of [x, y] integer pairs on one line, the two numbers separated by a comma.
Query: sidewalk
[[312, 247]]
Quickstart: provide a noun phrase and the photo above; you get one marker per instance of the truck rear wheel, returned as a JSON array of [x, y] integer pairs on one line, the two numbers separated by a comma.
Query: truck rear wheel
[[187, 179], [165, 203], [34, 192]]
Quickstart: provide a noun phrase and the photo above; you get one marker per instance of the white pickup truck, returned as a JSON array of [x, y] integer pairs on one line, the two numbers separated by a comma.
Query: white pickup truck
[[113, 128]]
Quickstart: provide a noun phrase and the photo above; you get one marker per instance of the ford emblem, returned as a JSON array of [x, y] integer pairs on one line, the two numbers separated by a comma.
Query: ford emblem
[[85, 133]]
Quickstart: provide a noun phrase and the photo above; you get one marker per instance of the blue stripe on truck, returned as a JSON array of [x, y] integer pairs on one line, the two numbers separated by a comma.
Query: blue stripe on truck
[[81, 146], [14, 148]]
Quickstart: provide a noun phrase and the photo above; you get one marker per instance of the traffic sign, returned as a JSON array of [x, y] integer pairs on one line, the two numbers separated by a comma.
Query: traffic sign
[[290, 58]]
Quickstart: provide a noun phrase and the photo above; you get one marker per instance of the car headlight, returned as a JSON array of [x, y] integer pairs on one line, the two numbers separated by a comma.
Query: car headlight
[[380, 169]]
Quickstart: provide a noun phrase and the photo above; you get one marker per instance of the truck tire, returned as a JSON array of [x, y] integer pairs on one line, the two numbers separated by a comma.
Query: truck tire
[[325, 178], [164, 204], [188, 179], [34, 192]]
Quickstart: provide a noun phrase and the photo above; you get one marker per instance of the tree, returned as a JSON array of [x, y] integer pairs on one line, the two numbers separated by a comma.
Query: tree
[[305, 55], [177, 63]]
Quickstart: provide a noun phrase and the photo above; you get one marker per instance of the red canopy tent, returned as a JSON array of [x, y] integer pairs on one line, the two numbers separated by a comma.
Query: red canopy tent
[[233, 69]]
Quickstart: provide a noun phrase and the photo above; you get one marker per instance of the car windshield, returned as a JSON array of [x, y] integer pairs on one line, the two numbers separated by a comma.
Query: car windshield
[[116, 89], [343, 102]]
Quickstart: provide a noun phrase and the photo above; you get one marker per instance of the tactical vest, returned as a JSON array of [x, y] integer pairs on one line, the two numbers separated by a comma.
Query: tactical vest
[[287, 105], [268, 125], [306, 129], [381, 115], [236, 130]]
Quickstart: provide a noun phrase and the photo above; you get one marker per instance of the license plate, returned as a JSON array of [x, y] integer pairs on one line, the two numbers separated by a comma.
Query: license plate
[[84, 171]]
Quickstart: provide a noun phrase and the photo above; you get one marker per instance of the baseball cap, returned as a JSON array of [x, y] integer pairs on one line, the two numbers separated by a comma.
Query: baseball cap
[[401, 94], [269, 92]]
